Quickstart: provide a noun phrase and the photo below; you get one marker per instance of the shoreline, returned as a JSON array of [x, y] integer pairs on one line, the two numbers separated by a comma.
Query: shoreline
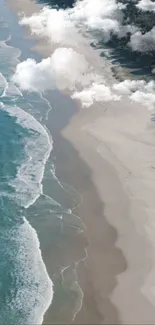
[[91, 311], [73, 170], [122, 243], [95, 167]]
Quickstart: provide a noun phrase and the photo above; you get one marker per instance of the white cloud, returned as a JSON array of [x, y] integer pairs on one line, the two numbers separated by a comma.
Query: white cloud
[[143, 42], [53, 24], [139, 91], [63, 26], [67, 69], [85, 10], [127, 86], [95, 93], [60, 26], [147, 99], [103, 15], [64, 69], [146, 5]]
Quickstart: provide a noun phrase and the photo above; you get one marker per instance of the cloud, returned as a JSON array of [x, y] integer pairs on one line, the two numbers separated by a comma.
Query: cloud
[[33, 76], [143, 43], [139, 91], [107, 16], [53, 24], [127, 86], [64, 69], [95, 93], [86, 9], [146, 5], [68, 69], [61, 26], [102, 15], [147, 99]]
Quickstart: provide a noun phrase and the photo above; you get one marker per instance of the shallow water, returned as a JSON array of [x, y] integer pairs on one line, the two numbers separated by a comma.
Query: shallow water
[[28, 213]]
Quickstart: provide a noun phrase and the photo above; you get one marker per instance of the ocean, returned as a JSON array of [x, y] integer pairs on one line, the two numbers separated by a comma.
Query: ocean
[[41, 238], [33, 224]]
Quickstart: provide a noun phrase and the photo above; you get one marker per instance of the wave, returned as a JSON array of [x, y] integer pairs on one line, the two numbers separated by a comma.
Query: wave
[[30, 290], [26, 289], [27, 188], [9, 56], [8, 90], [11, 92], [3, 84], [38, 145], [30, 254]]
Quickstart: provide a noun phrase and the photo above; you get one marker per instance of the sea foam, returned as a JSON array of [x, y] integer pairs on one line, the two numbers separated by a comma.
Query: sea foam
[[31, 290], [38, 146], [27, 188], [30, 254]]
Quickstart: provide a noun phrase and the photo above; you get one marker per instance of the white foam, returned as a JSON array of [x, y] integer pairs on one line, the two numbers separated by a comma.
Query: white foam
[[3, 82], [8, 53], [48, 105], [35, 288], [11, 91], [33, 291], [8, 89], [27, 183]]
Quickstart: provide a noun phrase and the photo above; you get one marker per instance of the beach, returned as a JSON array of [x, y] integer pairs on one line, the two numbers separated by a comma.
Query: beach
[[105, 152], [126, 260]]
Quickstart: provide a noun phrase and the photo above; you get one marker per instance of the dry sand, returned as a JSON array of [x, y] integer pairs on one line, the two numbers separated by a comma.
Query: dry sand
[[99, 138], [116, 143]]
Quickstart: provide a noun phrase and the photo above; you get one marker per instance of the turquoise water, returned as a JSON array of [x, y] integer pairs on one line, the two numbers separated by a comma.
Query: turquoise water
[[25, 287], [28, 217]]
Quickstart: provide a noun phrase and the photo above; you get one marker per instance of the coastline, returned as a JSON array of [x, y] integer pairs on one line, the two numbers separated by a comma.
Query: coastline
[[97, 274], [126, 250], [111, 267], [91, 311]]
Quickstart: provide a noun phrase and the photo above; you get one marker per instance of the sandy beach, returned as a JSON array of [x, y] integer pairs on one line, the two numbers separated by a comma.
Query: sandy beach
[[121, 256], [106, 152]]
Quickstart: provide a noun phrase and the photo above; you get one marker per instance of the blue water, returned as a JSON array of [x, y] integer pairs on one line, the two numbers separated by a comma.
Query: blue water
[[25, 287], [28, 217]]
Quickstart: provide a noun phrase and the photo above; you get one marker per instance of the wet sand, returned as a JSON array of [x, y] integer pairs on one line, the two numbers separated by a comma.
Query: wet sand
[[93, 156], [97, 274]]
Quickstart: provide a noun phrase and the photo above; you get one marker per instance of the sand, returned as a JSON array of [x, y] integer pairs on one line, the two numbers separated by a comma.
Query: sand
[[126, 268], [110, 161]]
